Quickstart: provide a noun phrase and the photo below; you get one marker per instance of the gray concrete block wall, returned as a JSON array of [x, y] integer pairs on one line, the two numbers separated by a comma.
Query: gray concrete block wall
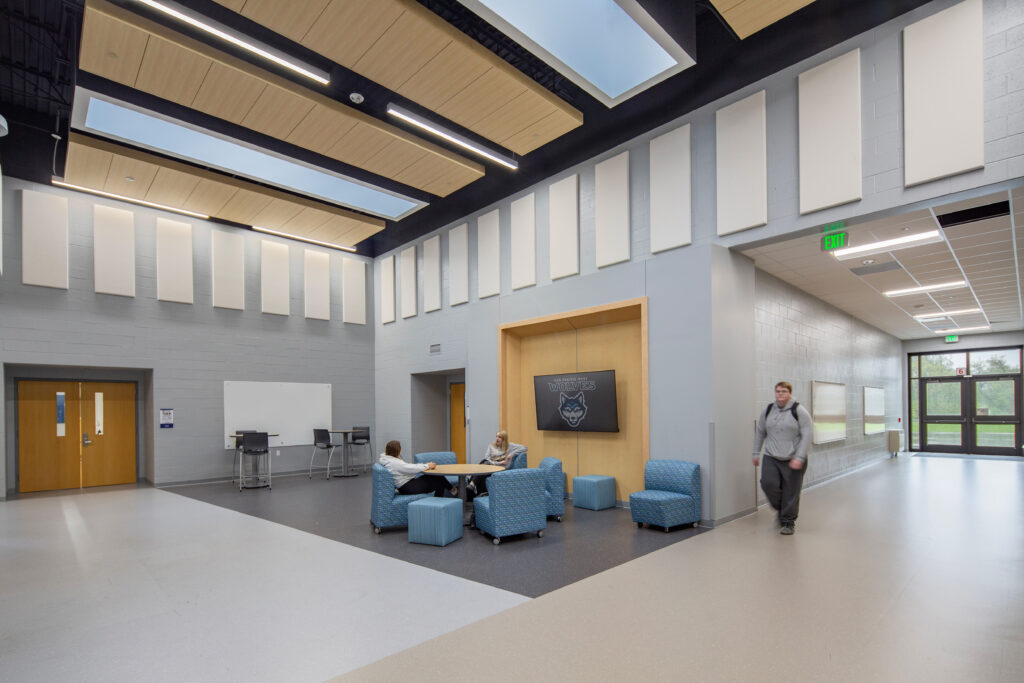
[[191, 349], [799, 339], [678, 282]]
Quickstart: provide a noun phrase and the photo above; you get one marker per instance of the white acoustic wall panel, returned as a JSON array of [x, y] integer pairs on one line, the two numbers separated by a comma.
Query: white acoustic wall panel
[[113, 250], [670, 190], [488, 255], [741, 164], [387, 289], [173, 261], [830, 133], [564, 228], [317, 276], [228, 270], [458, 265], [523, 248], [611, 210], [353, 291], [943, 98], [432, 274], [44, 239], [275, 278], [408, 263]]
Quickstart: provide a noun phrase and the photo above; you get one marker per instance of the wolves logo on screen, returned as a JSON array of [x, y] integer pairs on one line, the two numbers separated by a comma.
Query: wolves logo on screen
[[572, 408]]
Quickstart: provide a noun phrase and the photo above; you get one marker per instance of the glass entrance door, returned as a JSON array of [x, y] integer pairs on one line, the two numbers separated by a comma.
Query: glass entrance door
[[944, 416], [995, 418]]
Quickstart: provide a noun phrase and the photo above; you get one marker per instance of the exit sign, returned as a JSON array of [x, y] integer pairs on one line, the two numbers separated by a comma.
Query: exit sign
[[950, 338], [836, 240]]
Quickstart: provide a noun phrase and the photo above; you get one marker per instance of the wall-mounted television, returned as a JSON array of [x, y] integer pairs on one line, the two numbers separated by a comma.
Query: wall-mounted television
[[577, 402]]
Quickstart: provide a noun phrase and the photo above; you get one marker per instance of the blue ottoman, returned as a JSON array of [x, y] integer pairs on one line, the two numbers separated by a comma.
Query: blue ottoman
[[593, 491], [436, 521]]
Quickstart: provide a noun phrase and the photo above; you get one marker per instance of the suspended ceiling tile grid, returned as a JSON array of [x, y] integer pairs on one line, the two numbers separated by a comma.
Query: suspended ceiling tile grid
[[408, 49], [987, 254], [131, 173], [131, 50]]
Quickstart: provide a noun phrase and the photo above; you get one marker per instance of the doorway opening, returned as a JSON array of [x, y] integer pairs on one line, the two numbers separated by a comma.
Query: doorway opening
[[966, 401], [439, 412]]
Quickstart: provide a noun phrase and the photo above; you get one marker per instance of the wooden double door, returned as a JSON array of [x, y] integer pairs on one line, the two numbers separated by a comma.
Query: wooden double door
[[75, 434]]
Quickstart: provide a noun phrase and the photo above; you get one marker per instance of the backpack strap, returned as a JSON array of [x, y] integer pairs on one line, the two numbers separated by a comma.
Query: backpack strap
[[792, 410]]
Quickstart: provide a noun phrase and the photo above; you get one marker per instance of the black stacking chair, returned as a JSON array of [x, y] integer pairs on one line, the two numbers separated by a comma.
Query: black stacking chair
[[360, 436], [322, 442], [238, 450], [255, 445]]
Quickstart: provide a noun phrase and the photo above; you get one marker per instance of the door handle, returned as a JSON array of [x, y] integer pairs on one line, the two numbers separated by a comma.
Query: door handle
[[85, 440]]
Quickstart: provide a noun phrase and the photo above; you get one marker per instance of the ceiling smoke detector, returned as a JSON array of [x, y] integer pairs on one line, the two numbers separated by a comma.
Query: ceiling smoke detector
[[356, 97]]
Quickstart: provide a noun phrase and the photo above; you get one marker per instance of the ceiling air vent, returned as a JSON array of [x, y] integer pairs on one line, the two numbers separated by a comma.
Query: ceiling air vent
[[435, 349], [876, 268], [978, 213]]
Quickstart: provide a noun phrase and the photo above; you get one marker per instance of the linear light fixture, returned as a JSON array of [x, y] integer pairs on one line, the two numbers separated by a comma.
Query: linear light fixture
[[946, 314], [175, 10], [450, 136], [957, 330], [302, 239], [143, 202], [917, 240], [926, 288]]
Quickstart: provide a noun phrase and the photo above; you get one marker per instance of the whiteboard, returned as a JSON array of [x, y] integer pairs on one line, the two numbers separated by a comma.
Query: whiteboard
[[289, 409], [874, 410], [829, 410]]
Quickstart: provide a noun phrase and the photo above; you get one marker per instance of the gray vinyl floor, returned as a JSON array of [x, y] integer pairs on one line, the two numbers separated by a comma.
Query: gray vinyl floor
[[909, 570]]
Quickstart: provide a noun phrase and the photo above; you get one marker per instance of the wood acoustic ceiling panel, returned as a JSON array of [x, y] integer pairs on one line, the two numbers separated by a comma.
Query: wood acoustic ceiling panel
[[109, 167], [410, 50], [747, 17], [131, 50]]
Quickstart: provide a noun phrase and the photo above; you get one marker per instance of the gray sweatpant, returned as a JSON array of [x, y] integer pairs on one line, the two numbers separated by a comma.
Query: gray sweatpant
[[781, 484]]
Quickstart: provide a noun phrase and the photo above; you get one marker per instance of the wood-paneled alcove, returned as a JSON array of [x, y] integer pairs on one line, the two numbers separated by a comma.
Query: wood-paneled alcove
[[608, 337]]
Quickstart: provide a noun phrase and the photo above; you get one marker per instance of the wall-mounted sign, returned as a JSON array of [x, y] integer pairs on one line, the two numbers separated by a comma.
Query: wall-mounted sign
[[99, 413], [166, 418], [951, 338]]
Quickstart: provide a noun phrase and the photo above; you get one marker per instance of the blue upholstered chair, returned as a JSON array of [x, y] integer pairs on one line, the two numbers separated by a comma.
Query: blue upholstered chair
[[515, 504], [554, 487], [441, 458], [671, 495], [388, 507], [519, 463]]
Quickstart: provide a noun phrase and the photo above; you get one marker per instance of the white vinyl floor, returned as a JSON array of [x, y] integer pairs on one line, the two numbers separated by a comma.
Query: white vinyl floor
[[909, 570]]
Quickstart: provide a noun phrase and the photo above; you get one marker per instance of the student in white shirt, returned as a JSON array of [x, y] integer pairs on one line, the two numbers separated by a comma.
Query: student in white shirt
[[406, 474]]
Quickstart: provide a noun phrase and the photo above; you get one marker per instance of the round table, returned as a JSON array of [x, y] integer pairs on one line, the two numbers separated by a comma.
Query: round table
[[463, 471]]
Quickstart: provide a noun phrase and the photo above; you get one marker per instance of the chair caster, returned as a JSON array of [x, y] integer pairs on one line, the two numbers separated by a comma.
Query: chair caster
[[558, 518], [376, 530], [666, 529], [540, 534], [496, 541], [639, 525]]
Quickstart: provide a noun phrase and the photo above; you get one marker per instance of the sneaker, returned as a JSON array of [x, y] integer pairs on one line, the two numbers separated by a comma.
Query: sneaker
[[471, 487], [787, 530]]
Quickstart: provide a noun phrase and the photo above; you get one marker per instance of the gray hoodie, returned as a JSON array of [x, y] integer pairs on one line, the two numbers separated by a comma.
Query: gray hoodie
[[782, 437]]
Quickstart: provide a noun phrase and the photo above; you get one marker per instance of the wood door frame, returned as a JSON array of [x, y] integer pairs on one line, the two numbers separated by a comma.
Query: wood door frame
[[144, 438]]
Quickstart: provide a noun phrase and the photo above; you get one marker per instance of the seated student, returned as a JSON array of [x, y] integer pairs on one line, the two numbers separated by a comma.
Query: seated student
[[406, 474], [502, 452]]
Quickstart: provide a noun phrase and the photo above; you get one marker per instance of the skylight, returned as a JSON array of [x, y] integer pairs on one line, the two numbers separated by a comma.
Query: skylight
[[613, 50], [184, 142]]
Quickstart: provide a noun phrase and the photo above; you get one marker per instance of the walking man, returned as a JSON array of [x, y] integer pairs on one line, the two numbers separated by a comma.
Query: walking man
[[785, 430]]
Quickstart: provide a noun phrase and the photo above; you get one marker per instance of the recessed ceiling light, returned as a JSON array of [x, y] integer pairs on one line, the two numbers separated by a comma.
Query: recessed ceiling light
[[868, 261], [917, 240], [356, 98], [946, 314], [958, 330], [181, 13], [450, 136], [129, 179], [926, 288]]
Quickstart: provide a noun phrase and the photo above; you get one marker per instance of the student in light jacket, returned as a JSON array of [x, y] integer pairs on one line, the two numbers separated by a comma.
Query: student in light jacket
[[407, 474]]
